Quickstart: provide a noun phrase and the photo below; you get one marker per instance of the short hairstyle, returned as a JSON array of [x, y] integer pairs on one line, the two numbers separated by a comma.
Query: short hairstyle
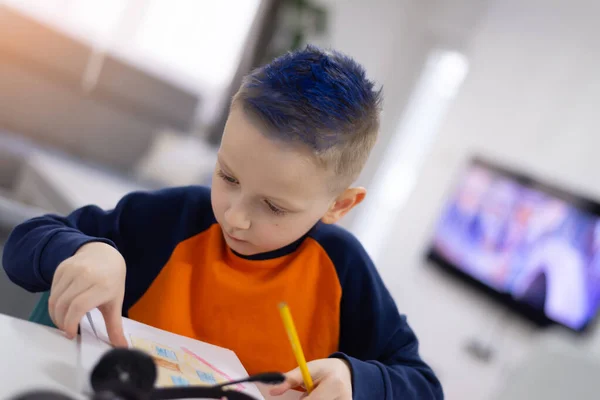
[[321, 99]]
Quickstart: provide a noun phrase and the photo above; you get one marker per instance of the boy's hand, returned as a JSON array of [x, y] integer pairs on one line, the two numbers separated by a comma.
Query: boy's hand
[[93, 277], [332, 380]]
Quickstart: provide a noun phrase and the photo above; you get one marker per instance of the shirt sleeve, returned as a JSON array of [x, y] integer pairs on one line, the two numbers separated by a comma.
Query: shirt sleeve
[[375, 339], [142, 226]]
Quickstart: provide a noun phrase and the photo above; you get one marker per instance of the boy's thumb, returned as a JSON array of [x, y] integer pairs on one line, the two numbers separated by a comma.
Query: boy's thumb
[[293, 379], [114, 325]]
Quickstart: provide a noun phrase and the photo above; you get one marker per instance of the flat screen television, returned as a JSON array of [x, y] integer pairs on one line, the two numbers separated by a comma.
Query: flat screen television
[[531, 245]]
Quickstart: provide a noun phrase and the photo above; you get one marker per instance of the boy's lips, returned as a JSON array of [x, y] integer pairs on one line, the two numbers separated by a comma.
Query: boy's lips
[[230, 236]]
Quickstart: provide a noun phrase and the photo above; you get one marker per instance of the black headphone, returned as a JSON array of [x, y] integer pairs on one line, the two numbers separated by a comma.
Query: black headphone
[[130, 374]]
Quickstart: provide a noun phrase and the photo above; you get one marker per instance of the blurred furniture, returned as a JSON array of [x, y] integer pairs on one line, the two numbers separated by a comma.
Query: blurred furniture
[[45, 182], [42, 96], [59, 184], [50, 122], [13, 152], [14, 300], [177, 160]]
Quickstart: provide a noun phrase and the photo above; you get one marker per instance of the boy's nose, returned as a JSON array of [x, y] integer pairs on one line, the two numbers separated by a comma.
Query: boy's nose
[[236, 218]]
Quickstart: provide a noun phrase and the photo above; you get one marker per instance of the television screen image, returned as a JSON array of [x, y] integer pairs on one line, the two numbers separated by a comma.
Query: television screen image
[[536, 245]]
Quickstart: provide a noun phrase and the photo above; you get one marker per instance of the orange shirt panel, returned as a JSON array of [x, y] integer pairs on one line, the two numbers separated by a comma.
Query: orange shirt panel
[[207, 292]]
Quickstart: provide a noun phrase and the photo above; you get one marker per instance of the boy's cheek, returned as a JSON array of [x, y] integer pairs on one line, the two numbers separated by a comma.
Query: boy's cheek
[[219, 202]]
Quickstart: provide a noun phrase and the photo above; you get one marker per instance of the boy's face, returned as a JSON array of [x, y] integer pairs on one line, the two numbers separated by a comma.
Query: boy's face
[[265, 194]]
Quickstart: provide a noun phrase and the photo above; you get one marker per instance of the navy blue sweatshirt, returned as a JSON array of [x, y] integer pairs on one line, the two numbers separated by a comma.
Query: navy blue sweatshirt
[[182, 277]]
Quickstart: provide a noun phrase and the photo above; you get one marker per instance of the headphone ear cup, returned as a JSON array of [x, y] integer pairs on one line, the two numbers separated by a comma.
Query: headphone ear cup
[[128, 369], [42, 395]]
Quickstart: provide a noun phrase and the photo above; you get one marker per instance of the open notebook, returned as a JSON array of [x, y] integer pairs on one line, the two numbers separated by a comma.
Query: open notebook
[[180, 360]]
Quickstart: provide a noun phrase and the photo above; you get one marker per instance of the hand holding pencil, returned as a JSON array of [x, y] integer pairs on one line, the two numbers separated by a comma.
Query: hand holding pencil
[[329, 378]]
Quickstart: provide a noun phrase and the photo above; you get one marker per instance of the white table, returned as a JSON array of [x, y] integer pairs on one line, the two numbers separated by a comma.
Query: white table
[[33, 356]]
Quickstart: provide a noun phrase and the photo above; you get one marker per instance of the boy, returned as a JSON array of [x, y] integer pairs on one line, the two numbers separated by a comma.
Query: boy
[[213, 264]]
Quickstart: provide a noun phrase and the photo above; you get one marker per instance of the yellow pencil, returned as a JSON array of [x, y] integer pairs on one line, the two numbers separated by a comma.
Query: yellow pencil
[[288, 323]]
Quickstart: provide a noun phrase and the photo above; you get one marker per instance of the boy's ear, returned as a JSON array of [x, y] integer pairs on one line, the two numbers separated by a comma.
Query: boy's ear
[[344, 203]]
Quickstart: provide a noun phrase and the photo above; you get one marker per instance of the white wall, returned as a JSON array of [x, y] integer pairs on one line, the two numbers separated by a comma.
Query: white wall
[[530, 100], [392, 39], [386, 37]]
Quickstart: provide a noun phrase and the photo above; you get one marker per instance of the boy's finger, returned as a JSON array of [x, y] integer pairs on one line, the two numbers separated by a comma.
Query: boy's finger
[[293, 379], [280, 389], [60, 304], [114, 324], [81, 304], [61, 280], [51, 313], [64, 301], [321, 392], [59, 285], [59, 274]]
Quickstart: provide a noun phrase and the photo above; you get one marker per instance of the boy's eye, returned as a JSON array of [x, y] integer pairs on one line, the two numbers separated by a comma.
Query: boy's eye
[[227, 178], [274, 209]]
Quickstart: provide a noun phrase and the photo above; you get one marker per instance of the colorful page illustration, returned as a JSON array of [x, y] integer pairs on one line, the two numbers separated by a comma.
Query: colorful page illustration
[[179, 366], [180, 360]]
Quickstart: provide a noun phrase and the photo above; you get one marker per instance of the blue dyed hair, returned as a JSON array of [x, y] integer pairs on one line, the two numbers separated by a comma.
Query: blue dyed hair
[[321, 99]]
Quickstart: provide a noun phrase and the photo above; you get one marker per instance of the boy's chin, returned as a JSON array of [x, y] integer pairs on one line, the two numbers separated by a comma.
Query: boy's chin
[[244, 248], [241, 247]]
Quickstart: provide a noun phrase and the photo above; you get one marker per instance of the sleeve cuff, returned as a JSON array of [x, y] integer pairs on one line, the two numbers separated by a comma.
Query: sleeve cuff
[[61, 246], [367, 379]]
